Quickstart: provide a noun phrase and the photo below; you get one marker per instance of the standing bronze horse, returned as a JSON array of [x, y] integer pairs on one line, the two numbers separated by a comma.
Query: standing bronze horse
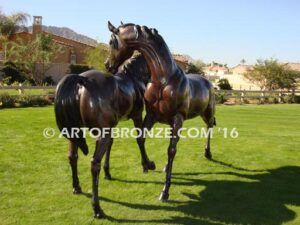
[[95, 100], [171, 96]]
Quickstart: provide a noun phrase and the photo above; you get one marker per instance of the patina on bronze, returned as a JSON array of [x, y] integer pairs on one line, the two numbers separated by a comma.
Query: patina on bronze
[[171, 95], [95, 100]]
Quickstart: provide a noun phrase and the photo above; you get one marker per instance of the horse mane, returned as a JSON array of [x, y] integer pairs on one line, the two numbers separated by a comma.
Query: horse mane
[[147, 33], [137, 68]]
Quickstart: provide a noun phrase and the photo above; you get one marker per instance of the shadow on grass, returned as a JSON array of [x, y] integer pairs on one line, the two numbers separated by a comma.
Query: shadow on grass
[[261, 199]]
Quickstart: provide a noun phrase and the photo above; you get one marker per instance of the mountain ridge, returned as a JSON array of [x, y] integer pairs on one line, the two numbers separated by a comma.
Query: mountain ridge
[[67, 33]]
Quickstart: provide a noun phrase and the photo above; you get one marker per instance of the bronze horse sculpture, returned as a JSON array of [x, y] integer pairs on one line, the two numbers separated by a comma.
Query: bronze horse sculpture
[[95, 100], [171, 96]]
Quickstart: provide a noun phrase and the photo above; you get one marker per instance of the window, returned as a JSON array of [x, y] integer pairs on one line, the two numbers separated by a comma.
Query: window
[[1, 56], [73, 57]]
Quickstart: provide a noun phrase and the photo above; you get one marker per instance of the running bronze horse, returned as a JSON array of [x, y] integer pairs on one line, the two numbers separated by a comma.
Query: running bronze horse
[[171, 96], [94, 100]]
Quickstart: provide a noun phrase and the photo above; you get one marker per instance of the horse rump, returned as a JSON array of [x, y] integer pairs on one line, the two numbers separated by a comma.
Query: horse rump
[[67, 111]]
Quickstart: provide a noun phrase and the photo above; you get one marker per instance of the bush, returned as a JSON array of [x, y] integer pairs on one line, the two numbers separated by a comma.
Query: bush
[[224, 84], [28, 101], [296, 99], [220, 98], [291, 99], [7, 101], [48, 81], [12, 73], [78, 68]]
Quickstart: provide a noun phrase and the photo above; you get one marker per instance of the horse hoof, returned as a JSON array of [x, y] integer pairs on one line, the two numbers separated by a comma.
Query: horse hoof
[[208, 155], [164, 196], [77, 190], [99, 215], [107, 177], [151, 165], [98, 212]]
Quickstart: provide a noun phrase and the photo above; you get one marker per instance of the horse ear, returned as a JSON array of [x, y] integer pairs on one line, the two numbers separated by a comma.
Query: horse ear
[[122, 23], [154, 31], [112, 28], [137, 29]]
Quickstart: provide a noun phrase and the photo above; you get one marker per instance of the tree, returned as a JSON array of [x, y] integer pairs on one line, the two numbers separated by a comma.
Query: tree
[[9, 24], [271, 75], [224, 84], [95, 58], [196, 67], [243, 61], [34, 57]]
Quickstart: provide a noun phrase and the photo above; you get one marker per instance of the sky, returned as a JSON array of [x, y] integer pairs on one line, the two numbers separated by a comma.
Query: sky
[[212, 30]]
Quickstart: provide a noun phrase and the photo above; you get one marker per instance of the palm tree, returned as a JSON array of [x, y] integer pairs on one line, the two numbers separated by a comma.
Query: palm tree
[[9, 24]]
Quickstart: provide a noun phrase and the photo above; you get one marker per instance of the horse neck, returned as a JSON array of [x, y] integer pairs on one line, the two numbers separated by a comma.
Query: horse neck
[[158, 58], [136, 68]]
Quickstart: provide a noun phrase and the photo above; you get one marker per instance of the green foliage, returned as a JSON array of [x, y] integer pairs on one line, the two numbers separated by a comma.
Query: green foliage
[[9, 101], [9, 24], [218, 64], [95, 58], [220, 98], [196, 67], [28, 101], [48, 81], [224, 84], [34, 57], [12, 73], [78, 68], [270, 75]]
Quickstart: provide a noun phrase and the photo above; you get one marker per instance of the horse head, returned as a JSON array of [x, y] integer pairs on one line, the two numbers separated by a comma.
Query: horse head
[[120, 49]]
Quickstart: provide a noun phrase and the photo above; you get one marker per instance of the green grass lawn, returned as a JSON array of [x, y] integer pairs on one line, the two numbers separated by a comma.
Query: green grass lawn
[[27, 91], [255, 178]]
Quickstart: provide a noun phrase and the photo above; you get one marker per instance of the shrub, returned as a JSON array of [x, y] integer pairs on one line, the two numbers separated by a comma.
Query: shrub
[[12, 73], [296, 99], [78, 68], [224, 84], [220, 98], [7, 101], [291, 99], [48, 81], [28, 101], [246, 101]]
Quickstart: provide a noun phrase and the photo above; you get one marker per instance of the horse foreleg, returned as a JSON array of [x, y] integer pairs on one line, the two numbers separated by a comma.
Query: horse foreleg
[[101, 148], [176, 125], [147, 124], [73, 158]]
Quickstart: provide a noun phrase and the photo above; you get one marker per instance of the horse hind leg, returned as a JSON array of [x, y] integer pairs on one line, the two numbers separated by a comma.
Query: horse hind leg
[[210, 123], [106, 166], [73, 158], [101, 148]]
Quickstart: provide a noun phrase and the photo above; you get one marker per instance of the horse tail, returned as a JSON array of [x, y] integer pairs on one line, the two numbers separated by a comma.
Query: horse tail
[[67, 111], [215, 121]]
